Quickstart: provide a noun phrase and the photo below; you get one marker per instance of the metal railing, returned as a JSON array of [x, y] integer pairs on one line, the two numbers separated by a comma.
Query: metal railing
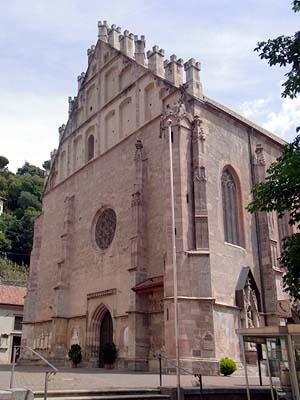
[[160, 357], [47, 373]]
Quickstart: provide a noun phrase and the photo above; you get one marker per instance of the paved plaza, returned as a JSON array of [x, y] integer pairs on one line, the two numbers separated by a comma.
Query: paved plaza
[[95, 378]]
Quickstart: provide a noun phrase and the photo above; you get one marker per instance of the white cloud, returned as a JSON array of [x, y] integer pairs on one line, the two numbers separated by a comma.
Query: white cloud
[[29, 125], [286, 120], [255, 109], [282, 122]]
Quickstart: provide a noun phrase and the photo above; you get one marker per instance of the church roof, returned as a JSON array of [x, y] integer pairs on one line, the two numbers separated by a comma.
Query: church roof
[[149, 285], [12, 295]]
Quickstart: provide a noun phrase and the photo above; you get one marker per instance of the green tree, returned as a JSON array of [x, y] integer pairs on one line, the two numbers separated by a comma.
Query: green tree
[[46, 165], [23, 192], [284, 51], [281, 190], [3, 162], [29, 169]]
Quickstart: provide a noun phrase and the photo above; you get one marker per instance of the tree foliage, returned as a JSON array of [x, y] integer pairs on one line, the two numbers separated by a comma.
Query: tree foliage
[[12, 271], [3, 162], [46, 165], [23, 192], [285, 52], [281, 190], [29, 169]]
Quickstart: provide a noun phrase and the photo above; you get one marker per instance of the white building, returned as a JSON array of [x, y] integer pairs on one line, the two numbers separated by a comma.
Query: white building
[[2, 200], [11, 316]]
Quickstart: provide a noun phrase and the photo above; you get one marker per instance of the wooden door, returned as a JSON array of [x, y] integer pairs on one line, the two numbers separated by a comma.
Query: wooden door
[[106, 334]]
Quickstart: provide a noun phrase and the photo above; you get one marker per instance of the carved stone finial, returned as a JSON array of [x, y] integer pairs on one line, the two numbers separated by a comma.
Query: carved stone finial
[[139, 144], [199, 174], [102, 31], [126, 43], [192, 68], [80, 79], [53, 153], [260, 156], [113, 36], [138, 150], [173, 70], [71, 104], [61, 131], [140, 45], [156, 60], [198, 133]]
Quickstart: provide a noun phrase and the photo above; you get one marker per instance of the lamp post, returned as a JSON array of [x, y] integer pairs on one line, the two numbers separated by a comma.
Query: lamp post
[[169, 122]]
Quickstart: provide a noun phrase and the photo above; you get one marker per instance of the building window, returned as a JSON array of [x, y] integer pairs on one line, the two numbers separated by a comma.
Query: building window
[[90, 152], [105, 228], [231, 209], [285, 229], [274, 254], [18, 323]]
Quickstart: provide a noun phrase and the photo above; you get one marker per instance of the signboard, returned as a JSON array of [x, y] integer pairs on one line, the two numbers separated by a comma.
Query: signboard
[[284, 308]]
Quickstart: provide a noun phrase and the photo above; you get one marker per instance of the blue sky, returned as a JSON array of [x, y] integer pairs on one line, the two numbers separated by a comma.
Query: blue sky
[[43, 48]]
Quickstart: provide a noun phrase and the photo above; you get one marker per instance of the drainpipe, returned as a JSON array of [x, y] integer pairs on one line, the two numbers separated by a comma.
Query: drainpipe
[[258, 241]]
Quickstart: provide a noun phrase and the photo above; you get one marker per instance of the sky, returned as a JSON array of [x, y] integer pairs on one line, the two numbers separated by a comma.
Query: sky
[[43, 49]]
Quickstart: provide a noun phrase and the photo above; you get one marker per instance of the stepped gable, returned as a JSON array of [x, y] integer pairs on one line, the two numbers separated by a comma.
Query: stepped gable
[[112, 43]]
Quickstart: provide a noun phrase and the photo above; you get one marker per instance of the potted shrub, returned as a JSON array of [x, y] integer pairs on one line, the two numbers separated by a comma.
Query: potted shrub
[[75, 355], [109, 353], [227, 366]]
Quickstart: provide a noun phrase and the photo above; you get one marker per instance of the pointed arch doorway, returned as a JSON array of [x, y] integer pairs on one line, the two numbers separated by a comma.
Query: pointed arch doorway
[[106, 334]]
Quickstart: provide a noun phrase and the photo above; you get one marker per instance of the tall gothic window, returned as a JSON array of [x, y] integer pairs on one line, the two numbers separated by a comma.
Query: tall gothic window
[[231, 212], [90, 152]]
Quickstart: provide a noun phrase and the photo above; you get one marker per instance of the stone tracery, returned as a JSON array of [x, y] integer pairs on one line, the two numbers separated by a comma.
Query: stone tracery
[[105, 228]]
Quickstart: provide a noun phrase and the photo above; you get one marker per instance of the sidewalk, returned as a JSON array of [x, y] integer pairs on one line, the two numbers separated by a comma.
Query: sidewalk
[[95, 378]]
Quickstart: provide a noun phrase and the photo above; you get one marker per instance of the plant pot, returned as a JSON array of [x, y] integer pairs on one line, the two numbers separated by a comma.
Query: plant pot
[[74, 365], [108, 366]]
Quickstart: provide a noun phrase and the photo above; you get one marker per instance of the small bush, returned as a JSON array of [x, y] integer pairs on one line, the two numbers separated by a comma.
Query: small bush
[[109, 353], [75, 354], [227, 366]]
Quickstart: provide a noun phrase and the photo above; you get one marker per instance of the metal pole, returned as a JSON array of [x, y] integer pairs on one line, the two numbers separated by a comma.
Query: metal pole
[[169, 121], [293, 372], [160, 371], [259, 358], [259, 373], [12, 375], [269, 370], [199, 376], [245, 366], [46, 386]]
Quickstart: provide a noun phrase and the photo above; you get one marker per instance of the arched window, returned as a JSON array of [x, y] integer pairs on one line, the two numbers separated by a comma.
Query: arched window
[[90, 152], [231, 209]]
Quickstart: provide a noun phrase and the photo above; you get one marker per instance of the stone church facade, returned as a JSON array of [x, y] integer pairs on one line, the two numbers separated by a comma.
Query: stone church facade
[[101, 266]]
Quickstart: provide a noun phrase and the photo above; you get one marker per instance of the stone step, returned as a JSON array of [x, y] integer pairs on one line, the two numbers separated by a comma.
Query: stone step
[[110, 394]]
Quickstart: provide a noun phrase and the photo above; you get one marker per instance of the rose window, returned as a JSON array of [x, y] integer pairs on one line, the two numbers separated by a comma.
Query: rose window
[[105, 228]]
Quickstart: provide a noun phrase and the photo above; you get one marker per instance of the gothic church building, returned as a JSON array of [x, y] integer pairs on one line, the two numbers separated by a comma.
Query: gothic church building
[[101, 266]]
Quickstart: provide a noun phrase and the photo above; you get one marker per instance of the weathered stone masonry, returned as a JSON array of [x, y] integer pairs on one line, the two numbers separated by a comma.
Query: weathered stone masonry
[[101, 265]]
